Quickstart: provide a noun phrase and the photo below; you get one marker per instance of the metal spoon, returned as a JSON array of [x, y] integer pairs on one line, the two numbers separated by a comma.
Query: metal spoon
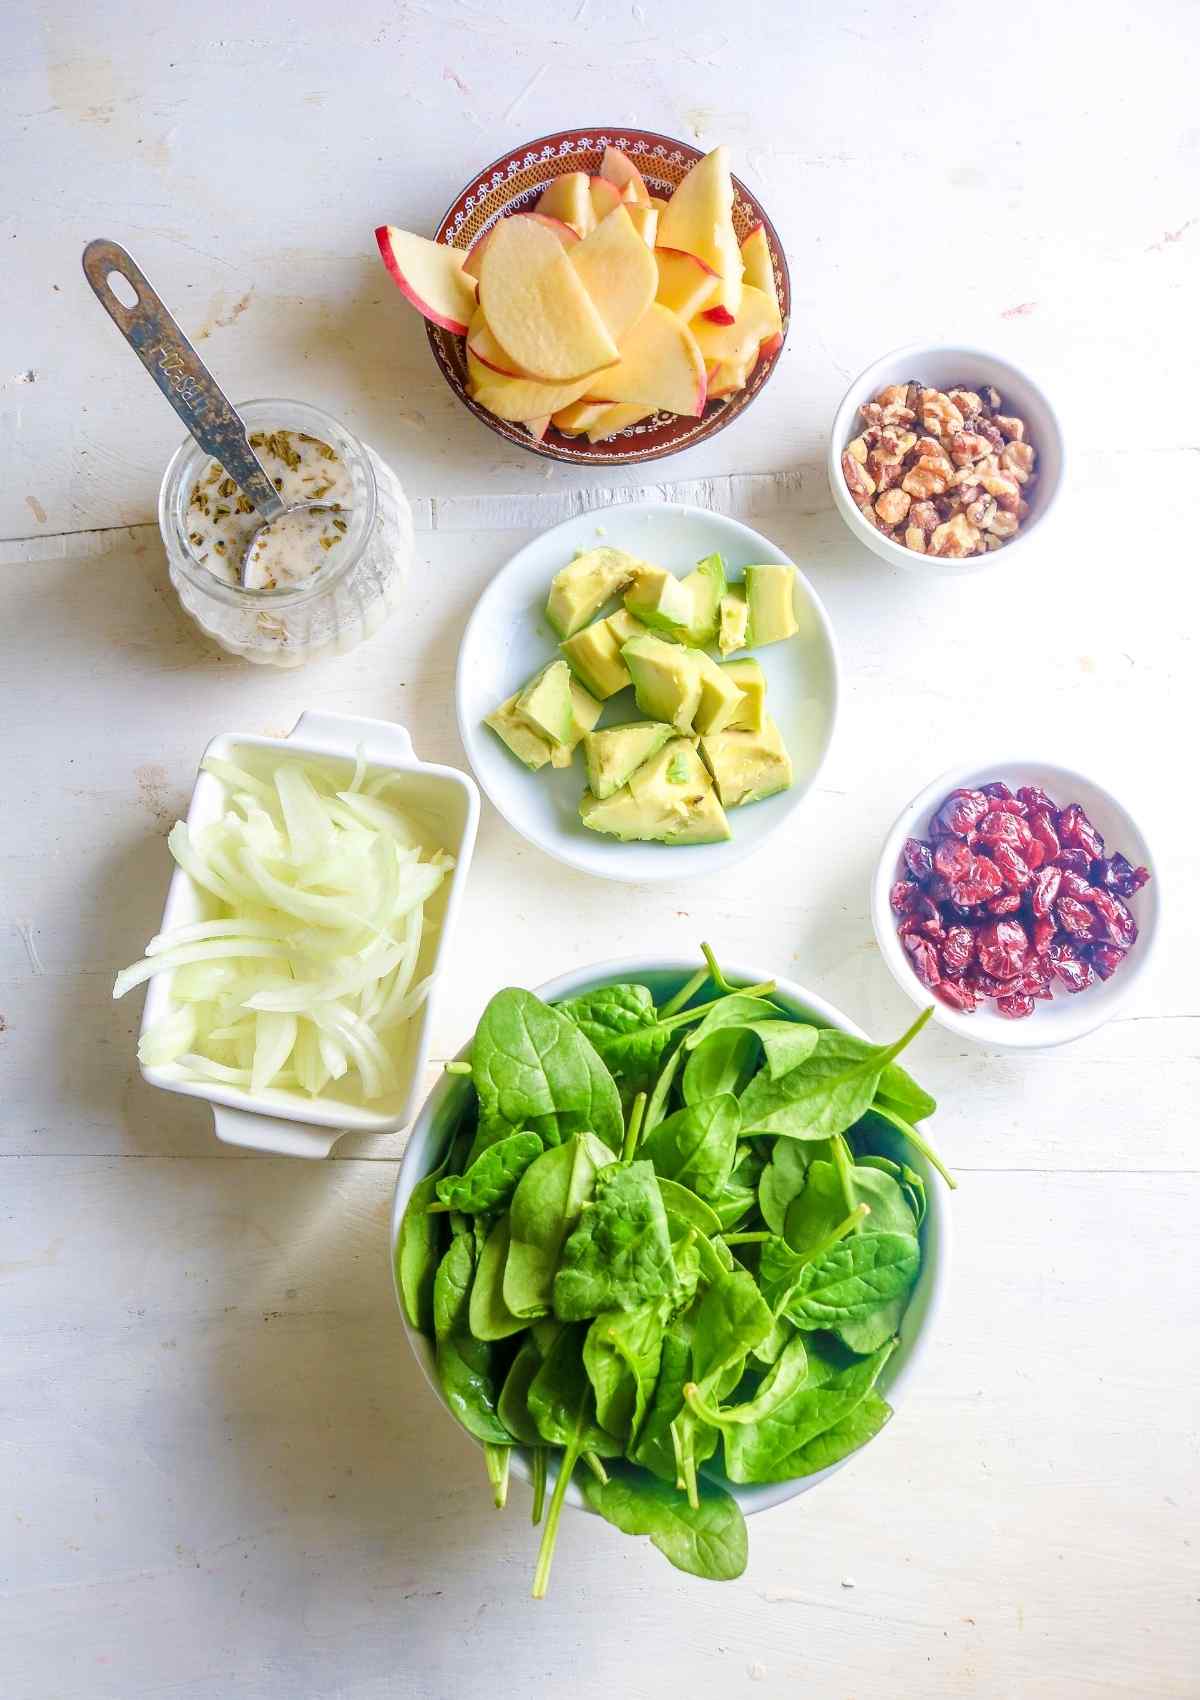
[[184, 379]]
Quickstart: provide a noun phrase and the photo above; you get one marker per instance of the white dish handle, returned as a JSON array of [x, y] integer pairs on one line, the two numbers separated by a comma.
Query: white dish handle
[[273, 1133], [341, 735]]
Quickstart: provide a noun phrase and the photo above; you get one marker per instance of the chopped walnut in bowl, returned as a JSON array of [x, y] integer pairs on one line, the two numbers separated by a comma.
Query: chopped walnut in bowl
[[945, 473]]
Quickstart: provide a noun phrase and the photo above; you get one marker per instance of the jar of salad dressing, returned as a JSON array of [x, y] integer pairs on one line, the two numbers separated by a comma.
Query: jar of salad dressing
[[319, 579]]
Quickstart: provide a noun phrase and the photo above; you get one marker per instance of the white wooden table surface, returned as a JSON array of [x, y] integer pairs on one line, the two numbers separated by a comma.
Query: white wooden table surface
[[222, 1477]]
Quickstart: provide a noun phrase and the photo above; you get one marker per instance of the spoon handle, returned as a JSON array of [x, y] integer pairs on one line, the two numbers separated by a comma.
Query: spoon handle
[[178, 371]]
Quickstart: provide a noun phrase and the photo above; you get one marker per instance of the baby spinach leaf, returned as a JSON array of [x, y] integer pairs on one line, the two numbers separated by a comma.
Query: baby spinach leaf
[[489, 1182], [563, 1406], [496, 1460], [816, 1209], [513, 1405], [852, 1280], [619, 1256], [890, 1213], [733, 1010], [621, 1353], [838, 1442], [784, 1177], [545, 1208], [730, 1321], [682, 1204], [767, 1351], [915, 1139], [610, 1010], [656, 1105], [734, 1204], [653, 1448], [825, 1095], [489, 1316], [762, 1451], [785, 1376], [465, 1366], [705, 1540], [696, 1146], [418, 1253], [721, 1065], [533, 1068]]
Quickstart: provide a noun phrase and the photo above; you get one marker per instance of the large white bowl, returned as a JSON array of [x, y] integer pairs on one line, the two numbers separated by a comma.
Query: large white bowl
[[947, 368], [507, 639], [1068, 1015], [291, 1124], [438, 1120]]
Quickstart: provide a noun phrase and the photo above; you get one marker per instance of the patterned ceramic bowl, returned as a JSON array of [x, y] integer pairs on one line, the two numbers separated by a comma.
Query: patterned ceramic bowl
[[512, 184]]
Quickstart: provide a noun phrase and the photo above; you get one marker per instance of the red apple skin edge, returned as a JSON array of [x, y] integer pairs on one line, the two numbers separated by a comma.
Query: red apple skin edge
[[455, 326], [718, 315], [566, 233], [752, 232], [694, 258], [504, 371]]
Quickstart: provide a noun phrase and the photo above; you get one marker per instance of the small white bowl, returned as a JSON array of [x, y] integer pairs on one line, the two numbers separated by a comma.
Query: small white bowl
[[434, 1127], [1068, 1015], [508, 638], [292, 1124], [948, 368]]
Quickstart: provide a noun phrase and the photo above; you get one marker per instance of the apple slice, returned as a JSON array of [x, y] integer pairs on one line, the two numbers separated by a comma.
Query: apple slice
[[487, 350], [685, 283], [569, 198], [645, 221], [738, 344], [618, 168], [537, 428], [566, 234], [660, 366], [657, 201], [756, 262], [430, 275], [614, 419], [580, 416], [726, 378], [604, 196], [719, 315], [518, 399], [699, 219], [617, 270], [538, 309]]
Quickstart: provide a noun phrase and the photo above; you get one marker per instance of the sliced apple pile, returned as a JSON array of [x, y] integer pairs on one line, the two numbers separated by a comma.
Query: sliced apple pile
[[605, 304]]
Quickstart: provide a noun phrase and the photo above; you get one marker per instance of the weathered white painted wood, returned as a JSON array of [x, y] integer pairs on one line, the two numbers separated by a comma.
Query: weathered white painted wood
[[223, 1478]]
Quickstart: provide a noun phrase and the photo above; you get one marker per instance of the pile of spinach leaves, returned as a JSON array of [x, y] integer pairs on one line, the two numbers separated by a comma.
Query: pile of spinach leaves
[[666, 1249]]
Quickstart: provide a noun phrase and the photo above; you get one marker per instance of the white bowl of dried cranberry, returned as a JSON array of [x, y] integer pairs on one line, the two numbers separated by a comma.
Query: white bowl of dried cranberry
[[957, 461], [1019, 898]]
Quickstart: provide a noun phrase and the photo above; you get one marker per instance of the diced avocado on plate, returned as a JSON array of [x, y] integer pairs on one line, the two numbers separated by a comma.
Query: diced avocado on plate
[[669, 799], [770, 598], [747, 766], [720, 696], [657, 598], [594, 654], [616, 752], [733, 621], [545, 703], [526, 744], [705, 587], [666, 680], [748, 676], [545, 720], [581, 589]]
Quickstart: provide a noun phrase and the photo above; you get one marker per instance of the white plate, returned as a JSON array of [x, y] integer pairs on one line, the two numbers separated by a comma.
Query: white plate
[[507, 639]]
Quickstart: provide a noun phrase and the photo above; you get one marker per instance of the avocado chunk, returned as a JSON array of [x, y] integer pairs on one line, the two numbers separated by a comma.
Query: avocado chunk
[[706, 587], [747, 766], [770, 595], [526, 744], [676, 783], [747, 675], [733, 621], [623, 817], [545, 703], [658, 599], [581, 589], [615, 753], [666, 680], [594, 654], [720, 696]]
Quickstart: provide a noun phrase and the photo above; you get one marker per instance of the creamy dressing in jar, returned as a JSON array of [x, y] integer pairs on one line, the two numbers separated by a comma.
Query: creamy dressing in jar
[[291, 548]]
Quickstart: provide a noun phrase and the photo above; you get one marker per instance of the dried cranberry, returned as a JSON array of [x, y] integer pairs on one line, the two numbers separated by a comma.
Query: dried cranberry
[[981, 882], [1015, 1007], [957, 994], [1002, 947], [903, 895], [961, 811], [1041, 825], [1074, 973], [1045, 889], [1007, 903], [1121, 926], [1034, 853], [1043, 935], [1076, 861], [958, 948], [1014, 869], [985, 986], [1075, 917], [996, 827], [952, 858], [918, 859], [1117, 874], [1074, 885], [1034, 797], [924, 959], [1078, 833], [1106, 959], [997, 790]]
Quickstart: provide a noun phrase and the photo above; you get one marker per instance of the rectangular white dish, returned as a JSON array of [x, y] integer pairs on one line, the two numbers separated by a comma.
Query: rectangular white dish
[[279, 1120]]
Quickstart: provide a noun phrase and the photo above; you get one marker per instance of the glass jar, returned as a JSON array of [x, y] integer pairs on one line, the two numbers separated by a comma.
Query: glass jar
[[345, 601]]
